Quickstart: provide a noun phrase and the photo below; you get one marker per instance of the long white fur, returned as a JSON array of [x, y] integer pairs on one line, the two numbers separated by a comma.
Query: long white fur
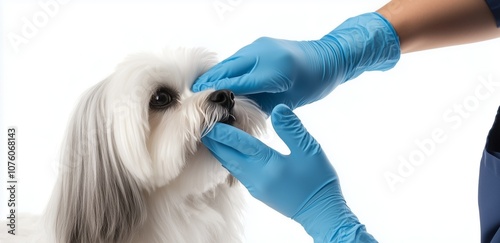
[[130, 174]]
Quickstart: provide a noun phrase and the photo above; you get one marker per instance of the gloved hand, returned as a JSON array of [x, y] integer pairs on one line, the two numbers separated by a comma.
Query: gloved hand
[[296, 73], [302, 185]]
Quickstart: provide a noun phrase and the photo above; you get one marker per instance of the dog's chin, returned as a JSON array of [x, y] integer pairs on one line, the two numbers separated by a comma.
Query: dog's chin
[[230, 119], [218, 174]]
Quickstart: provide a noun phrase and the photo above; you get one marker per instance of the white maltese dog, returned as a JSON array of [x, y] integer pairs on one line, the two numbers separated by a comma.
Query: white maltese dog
[[133, 168]]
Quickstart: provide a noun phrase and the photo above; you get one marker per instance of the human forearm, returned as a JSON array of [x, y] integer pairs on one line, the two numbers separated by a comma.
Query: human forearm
[[426, 24]]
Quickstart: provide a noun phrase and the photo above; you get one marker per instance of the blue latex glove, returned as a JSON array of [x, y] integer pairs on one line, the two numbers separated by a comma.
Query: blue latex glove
[[296, 73], [302, 185]]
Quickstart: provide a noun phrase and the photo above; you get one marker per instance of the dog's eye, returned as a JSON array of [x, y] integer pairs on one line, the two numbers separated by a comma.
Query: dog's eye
[[161, 99]]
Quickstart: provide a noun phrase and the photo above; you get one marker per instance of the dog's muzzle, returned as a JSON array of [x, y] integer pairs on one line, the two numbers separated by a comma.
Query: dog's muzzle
[[225, 99]]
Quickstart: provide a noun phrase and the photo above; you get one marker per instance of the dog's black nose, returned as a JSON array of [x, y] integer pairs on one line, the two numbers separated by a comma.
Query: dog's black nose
[[223, 97]]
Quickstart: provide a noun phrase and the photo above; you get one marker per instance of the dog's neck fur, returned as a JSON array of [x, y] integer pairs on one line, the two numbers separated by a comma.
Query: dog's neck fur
[[213, 217]]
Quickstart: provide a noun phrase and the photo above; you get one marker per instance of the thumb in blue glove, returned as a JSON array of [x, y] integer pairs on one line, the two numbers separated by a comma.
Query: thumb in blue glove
[[302, 185]]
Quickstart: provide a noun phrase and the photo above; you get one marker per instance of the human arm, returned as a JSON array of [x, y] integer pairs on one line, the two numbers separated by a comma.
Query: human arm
[[302, 185], [270, 72], [426, 24]]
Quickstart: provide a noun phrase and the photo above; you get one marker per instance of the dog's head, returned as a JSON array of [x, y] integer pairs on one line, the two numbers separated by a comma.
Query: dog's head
[[157, 121], [139, 130]]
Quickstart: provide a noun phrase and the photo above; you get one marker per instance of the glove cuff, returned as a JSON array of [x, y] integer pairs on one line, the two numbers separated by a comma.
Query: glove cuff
[[327, 218], [372, 42]]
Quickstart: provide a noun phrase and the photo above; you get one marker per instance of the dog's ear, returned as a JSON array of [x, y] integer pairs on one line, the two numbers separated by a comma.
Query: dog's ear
[[97, 199]]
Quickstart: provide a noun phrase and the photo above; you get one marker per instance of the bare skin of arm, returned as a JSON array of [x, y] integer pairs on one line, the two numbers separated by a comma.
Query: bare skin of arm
[[427, 24]]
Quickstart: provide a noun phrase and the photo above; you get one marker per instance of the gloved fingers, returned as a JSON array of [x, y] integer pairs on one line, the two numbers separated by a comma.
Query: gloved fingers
[[225, 155], [268, 102], [232, 67], [230, 160], [242, 81], [263, 81], [236, 149], [290, 129]]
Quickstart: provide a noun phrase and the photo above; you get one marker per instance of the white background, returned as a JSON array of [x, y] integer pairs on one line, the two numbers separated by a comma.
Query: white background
[[367, 126]]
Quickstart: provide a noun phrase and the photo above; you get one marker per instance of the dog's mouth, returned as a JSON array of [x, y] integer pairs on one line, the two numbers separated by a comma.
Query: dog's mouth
[[228, 118], [225, 116]]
